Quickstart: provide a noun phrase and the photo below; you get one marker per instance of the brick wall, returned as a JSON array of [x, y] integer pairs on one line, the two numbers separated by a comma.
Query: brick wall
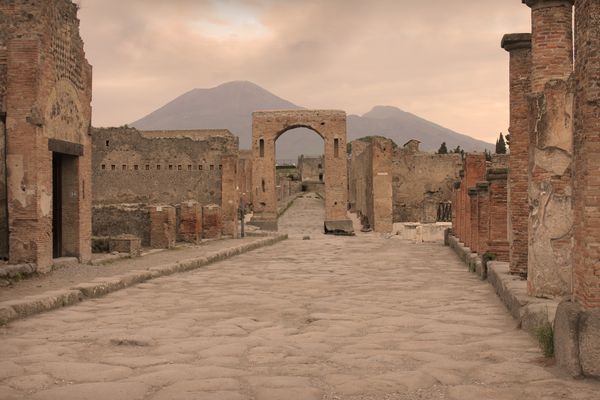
[[47, 96], [587, 155], [473, 240], [519, 47], [475, 169], [498, 213], [190, 222], [212, 225]]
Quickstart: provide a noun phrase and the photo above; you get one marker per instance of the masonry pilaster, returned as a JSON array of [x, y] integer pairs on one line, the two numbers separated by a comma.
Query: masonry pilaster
[[550, 149], [483, 205], [519, 47], [498, 215]]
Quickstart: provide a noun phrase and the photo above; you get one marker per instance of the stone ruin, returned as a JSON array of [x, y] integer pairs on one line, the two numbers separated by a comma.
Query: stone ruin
[[540, 213]]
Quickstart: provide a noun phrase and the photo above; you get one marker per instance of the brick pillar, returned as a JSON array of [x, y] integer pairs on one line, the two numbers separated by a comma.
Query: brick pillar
[[230, 198], [190, 222], [461, 208], [551, 135], [483, 205], [473, 239], [162, 227], [519, 47], [212, 225], [498, 213], [475, 168], [586, 151], [455, 214]]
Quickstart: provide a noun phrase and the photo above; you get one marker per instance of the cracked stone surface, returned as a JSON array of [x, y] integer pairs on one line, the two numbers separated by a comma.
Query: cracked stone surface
[[328, 318]]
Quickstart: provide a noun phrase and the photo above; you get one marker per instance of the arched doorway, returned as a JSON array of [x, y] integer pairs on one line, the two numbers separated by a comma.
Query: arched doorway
[[267, 126]]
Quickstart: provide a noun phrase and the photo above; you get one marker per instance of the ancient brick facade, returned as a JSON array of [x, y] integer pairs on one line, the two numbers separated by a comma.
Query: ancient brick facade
[[267, 127], [519, 47], [586, 151], [551, 142], [497, 176], [45, 95]]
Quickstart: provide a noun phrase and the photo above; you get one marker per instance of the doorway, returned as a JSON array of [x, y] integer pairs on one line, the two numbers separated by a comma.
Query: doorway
[[65, 205]]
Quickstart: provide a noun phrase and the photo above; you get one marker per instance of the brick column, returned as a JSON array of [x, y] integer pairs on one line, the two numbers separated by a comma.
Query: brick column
[[586, 152], [461, 207], [455, 213], [212, 225], [190, 222], [498, 213], [473, 239], [519, 47], [483, 205], [162, 227], [474, 172], [550, 148]]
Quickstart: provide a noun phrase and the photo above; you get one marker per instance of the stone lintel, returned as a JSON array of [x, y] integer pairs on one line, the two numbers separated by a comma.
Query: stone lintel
[[548, 3], [516, 41]]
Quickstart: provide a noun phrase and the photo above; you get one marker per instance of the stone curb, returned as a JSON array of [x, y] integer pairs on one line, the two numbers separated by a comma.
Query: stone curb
[[530, 312], [30, 305]]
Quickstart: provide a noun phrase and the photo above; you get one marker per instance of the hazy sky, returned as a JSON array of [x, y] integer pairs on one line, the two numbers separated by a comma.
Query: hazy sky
[[439, 59]]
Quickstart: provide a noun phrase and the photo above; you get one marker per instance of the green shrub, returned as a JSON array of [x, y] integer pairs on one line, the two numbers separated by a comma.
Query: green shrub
[[545, 337]]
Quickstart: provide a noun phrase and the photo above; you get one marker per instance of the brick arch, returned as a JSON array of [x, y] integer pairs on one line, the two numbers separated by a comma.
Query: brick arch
[[267, 127]]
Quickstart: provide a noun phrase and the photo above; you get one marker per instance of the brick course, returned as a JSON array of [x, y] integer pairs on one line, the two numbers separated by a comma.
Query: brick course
[[586, 254]]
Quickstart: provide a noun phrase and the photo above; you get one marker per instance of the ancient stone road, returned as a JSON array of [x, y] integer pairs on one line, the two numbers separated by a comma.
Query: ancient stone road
[[327, 318]]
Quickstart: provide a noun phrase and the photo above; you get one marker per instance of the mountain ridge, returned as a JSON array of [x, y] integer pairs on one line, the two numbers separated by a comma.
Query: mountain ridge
[[230, 106]]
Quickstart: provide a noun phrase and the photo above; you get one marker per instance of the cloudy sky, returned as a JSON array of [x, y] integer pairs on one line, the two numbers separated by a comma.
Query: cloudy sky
[[439, 59]]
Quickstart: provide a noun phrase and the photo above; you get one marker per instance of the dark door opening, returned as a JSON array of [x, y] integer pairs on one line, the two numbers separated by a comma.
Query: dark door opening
[[56, 205]]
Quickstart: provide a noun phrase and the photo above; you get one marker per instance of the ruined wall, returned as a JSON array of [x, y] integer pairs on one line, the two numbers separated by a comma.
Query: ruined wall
[[118, 219], [550, 149], [130, 166], [311, 168], [3, 191], [360, 179], [245, 177], [587, 156], [420, 178], [47, 102]]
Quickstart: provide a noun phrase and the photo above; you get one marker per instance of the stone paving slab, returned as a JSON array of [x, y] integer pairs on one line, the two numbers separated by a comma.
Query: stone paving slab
[[35, 302]]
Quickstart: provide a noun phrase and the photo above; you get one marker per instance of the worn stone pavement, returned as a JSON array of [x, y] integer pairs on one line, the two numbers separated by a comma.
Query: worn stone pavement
[[328, 318]]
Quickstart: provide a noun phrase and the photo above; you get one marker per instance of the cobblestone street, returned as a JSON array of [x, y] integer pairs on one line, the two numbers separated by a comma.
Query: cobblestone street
[[326, 318]]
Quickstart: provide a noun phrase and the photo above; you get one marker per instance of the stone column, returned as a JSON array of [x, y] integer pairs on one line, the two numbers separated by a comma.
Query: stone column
[[483, 205], [498, 213], [550, 149], [473, 239], [519, 47], [586, 152]]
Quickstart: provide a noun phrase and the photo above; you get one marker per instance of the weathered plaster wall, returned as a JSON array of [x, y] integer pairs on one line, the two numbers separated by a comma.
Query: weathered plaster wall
[[130, 166], [420, 182], [550, 150]]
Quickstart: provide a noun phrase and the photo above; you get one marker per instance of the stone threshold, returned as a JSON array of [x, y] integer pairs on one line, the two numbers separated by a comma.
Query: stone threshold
[[531, 312], [31, 305]]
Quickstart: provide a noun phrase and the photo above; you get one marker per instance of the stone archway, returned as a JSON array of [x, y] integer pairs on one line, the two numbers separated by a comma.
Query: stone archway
[[267, 127]]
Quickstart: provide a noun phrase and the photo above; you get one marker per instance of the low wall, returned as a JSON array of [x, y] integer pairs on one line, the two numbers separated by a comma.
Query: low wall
[[419, 233], [122, 219]]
